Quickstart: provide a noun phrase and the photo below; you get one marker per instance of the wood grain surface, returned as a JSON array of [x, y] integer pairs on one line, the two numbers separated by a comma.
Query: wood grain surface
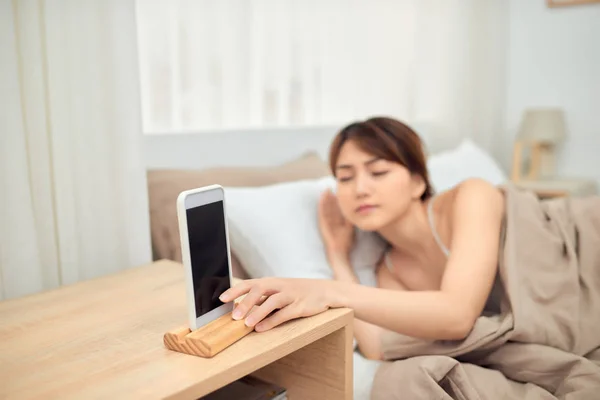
[[103, 338]]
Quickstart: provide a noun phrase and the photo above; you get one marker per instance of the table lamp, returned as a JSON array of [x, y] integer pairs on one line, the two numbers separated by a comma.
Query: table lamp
[[541, 131]]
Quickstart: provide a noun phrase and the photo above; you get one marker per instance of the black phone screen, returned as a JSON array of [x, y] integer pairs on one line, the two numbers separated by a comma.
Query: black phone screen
[[209, 255]]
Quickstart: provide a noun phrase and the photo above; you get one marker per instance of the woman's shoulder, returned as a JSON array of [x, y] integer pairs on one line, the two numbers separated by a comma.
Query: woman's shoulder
[[470, 194], [478, 185], [474, 193]]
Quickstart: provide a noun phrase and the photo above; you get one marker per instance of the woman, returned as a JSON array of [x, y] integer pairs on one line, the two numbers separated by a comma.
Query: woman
[[437, 275]]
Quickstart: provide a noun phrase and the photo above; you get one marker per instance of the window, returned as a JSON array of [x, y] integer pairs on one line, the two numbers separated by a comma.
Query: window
[[210, 65]]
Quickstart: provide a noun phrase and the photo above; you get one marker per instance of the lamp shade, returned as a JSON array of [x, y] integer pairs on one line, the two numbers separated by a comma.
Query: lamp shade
[[546, 125]]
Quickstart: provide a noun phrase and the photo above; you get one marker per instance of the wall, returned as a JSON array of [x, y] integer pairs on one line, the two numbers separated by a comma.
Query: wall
[[554, 60], [248, 148], [234, 148]]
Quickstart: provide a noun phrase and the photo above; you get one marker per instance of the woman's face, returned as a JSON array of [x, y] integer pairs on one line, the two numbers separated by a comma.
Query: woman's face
[[373, 192]]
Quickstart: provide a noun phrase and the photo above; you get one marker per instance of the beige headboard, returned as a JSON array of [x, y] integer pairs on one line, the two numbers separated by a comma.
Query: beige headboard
[[165, 185]]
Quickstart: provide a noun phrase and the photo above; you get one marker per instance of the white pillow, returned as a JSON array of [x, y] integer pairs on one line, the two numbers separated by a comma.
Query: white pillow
[[274, 231], [449, 168]]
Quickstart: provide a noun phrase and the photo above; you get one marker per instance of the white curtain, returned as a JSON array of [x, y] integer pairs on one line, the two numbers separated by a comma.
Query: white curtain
[[230, 64], [73, 195]]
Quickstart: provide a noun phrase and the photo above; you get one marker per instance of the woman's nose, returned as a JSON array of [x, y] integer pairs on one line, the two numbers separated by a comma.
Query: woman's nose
[[362, 185]]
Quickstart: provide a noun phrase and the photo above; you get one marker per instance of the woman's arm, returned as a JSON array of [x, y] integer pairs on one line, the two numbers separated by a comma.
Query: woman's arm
[[448, 313], [368, 336], [445, 314]]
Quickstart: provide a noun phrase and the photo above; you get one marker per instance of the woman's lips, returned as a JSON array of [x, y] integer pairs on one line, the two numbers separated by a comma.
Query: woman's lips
[[365, 209]]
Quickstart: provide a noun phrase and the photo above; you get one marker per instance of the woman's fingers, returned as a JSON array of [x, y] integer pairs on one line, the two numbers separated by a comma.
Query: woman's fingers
[[325, 202], [236, 291], [251, 299], [279, 317], [331, 209], [272, 303], [244, 287], [258, 289]]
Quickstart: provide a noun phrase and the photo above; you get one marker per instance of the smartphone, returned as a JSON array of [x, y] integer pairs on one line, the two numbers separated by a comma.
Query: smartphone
[[205, 252]]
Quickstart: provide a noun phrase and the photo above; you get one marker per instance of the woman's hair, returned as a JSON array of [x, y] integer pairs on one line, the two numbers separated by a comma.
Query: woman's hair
[[388, 139]]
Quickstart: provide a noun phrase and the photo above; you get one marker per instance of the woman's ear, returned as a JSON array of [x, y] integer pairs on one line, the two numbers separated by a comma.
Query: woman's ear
[[418, 186]]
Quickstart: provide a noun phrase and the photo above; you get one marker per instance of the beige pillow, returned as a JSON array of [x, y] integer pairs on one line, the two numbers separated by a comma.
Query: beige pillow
[[165, 185]]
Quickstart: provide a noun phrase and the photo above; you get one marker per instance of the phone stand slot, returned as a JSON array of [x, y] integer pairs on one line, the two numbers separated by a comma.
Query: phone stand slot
[[208, 340]]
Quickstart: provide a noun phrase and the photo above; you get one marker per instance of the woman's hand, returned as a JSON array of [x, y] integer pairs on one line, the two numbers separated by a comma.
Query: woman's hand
[[336, 231], [278, 300]]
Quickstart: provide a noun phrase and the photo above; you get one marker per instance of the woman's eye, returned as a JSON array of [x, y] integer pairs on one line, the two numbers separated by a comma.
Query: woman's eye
[[344, 178], [380, 173]]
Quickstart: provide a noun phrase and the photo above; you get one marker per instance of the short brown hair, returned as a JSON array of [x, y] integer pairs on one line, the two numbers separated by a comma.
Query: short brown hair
[[388, 139]]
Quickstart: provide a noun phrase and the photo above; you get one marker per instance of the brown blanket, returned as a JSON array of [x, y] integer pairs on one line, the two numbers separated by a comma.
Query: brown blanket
[[545, 341]]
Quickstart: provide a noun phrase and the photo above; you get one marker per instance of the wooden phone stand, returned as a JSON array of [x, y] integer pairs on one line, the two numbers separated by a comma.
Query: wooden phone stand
[[208, 340]]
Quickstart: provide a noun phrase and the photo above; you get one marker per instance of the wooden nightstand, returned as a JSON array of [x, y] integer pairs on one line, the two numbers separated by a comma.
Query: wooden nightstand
[[103, 339], [551, 188]]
